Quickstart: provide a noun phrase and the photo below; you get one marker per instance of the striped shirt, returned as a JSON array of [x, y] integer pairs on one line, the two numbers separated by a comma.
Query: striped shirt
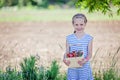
[[84, 72], [79, 44]]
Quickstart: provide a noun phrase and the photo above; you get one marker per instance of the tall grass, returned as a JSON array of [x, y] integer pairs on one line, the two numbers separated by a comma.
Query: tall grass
[[109, 74], [112, 72], [30, 71]]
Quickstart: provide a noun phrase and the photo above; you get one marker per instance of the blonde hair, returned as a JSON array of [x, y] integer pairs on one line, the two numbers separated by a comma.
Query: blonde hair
[[79, 15]]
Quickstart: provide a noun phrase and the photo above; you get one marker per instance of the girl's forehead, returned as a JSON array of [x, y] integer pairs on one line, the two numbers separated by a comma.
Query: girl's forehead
[[81, 20]]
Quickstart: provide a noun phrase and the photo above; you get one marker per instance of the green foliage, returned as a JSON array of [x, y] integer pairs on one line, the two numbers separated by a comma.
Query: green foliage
[[109, 74], [97, 76], [2, 3], [53, 71], [10, 74], [105, 6], [29, 70], [9, 2], [42, 3], [39, 3], [42, 73]]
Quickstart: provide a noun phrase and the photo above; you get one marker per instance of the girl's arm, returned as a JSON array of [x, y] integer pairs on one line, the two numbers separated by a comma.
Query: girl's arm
[[67, 62], [89, 51], [67, 49], [89, 54]]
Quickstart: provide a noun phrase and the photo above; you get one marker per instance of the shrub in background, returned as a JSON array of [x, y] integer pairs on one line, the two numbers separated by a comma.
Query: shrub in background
[[29, 70], [10, 74], [53, 71]]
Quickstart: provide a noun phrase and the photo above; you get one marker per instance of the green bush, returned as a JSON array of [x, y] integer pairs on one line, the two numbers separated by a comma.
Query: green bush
[[53, 71], [42, 73], [10, 74], [29, 70]]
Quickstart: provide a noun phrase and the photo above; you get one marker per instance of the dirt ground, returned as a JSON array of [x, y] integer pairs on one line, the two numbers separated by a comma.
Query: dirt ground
[[46, 40]]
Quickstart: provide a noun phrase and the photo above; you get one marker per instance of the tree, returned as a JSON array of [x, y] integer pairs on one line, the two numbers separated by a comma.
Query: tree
[[104, 6]]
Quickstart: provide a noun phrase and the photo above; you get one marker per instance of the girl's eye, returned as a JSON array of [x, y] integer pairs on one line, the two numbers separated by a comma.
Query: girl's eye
[[76, 24], [81, 24]]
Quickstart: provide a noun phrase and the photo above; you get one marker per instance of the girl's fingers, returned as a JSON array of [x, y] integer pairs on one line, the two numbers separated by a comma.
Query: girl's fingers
[[79, 62], [68, 62]]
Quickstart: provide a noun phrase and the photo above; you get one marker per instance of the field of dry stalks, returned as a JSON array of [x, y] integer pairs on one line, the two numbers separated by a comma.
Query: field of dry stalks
[[46, 40]]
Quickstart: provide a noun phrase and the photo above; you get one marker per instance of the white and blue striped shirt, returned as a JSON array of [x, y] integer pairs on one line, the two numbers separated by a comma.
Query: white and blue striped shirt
[[84, 72], [79, 44]]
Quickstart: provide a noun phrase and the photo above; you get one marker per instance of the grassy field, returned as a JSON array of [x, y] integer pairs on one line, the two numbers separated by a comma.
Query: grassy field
[[15, 15], [41, 32]]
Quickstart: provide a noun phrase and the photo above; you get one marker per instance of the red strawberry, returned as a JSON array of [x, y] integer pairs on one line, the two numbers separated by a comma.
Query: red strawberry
[[74, 54], [71, 55], [68, 54]]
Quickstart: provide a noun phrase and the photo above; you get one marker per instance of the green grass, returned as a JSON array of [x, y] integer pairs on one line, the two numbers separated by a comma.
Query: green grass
[[30, 71], [24, 14]]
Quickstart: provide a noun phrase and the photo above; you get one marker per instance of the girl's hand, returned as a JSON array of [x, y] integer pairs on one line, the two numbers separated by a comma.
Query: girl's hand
[[67, 62], [81, 63]]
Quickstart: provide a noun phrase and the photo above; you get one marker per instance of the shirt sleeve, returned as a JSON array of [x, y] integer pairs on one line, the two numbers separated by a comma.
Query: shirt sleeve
[[90, 38], [67, 39]]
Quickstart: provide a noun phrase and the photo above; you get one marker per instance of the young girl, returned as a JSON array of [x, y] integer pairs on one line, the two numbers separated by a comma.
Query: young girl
[[76, 41]]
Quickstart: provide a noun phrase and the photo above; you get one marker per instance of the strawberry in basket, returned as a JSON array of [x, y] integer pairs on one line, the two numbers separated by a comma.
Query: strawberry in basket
[[73, 54], [70, 55]]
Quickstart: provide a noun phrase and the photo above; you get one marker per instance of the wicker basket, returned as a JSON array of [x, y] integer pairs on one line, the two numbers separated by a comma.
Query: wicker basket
[[74, 62]]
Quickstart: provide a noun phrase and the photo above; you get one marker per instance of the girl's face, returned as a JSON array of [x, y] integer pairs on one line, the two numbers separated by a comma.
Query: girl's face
[[79, 24]]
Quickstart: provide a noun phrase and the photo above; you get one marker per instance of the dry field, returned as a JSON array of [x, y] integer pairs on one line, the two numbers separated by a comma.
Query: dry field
[[46, 40]]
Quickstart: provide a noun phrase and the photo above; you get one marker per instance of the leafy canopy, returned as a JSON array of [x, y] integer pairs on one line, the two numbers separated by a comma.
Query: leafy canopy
[[104, 6]]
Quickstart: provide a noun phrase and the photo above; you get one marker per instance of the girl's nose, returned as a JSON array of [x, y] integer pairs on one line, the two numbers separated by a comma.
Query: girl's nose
[[79, 26]]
